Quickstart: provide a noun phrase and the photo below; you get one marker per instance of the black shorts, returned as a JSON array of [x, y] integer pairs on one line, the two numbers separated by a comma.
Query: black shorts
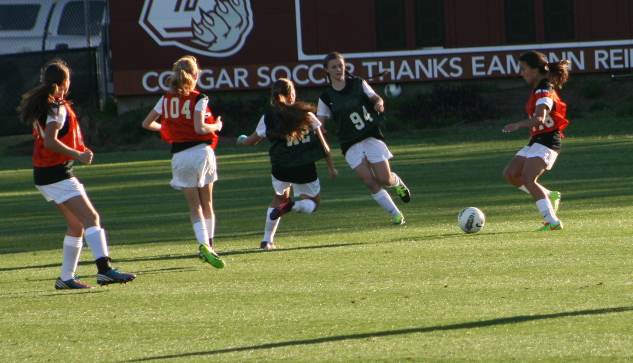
[[302, 174], [52, 174], [551, 140]]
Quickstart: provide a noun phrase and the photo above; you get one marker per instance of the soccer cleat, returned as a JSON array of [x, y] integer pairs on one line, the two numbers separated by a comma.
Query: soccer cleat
[[283, 208], [403, 192], [267, 246], [555, 198], [211, 257], [399, 219], [551, 227], [73, 283], [114, 276]]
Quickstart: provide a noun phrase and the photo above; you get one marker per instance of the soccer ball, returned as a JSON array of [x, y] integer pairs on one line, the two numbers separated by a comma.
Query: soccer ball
[[392, 90], [471, 220]]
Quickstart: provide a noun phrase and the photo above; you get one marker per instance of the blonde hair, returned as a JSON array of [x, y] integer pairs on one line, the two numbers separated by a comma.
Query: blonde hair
[[183, 78]]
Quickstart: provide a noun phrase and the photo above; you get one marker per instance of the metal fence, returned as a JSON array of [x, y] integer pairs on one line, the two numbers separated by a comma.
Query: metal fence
[[35, 31]]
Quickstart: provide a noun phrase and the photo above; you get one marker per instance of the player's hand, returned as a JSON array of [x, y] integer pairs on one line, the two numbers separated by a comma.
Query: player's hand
[[218, 122], [510, 128], [239, 139], [86, 156], [333, 173], [379, 107]]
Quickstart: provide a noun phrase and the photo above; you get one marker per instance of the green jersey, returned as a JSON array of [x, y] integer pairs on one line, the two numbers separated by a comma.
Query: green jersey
[[285, 153], [354, 113]]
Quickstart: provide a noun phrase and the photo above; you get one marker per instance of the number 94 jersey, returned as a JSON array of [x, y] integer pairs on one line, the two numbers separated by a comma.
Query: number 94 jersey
[[545, 93]]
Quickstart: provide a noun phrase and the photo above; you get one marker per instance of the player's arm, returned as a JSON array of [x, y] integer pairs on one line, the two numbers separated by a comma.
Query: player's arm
[[203, 128], [150, 121], [52, 143], [539, 118], [249, 140], [379, 104], [328, 150]]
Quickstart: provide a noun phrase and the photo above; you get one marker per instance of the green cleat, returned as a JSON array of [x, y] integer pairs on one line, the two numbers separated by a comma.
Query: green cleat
[[551, 227], [403, 192], [211, 257], [399, 219], [555, 198]]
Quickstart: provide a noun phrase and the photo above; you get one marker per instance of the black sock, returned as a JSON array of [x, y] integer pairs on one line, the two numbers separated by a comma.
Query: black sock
[[103, 264]]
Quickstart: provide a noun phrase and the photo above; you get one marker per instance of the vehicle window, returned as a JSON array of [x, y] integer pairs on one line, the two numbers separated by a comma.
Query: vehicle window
[[72, 20], [18, 17]]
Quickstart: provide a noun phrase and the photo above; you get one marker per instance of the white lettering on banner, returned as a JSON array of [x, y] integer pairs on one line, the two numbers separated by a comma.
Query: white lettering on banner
[[617, 58], [398, 70], [513, 65], [146, 86], [458, 68], [495, 66], [404, 70], [296, 74], [476, 64], [428, 71]]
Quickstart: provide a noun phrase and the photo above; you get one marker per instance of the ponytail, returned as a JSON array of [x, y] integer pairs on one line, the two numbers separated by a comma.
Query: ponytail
[[556, 72], [40, 100], [182, 79]]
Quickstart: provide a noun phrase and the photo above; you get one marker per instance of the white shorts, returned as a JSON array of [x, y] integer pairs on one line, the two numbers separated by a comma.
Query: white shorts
[[61, 191], [193, 168], [539, 151], [372, 149], [311, 189]]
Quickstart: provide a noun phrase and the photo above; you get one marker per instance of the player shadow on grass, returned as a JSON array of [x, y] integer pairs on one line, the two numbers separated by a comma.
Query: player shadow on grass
[[338, 338]]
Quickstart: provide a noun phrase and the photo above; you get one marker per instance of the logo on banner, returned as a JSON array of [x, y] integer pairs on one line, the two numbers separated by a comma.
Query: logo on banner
[[214, 28]]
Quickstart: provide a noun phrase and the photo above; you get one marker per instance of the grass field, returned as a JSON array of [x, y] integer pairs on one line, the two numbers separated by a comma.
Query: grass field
[[345, 284]]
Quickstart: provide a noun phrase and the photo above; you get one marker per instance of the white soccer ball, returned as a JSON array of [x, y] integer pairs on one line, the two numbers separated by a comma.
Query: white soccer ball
[[471, 220], [392, 90]]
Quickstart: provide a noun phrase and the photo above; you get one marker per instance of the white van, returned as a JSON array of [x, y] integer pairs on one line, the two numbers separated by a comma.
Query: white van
[[38, 25]]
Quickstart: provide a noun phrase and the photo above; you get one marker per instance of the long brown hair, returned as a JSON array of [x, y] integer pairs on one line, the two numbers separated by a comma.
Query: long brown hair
[[556, 72], [41, 100], [182, 80], [293, 117]]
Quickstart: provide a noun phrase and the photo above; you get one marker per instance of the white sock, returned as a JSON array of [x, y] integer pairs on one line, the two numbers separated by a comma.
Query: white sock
[[523, 188], [546, 209], [70, 259], [200, 229], [96, 240], [271, 227], [210, 222], [305, 206], [384, 199], [398, 180]]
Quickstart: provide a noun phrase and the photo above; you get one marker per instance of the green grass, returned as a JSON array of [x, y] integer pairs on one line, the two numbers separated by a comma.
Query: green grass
[[345, 285]]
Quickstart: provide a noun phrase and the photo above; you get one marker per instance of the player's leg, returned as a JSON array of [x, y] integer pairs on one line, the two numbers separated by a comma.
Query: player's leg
[[282, 193], [206, 203], [384, 175], [198, 221], [310, 197], [73, 243], [533, 169], [81, 207], [513, 171], [380, 195]]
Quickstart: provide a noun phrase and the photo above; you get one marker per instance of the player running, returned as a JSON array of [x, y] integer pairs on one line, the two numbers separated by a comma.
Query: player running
[[356, 109], [58, 142], [296, 143], [546, 121], [188, 125]]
